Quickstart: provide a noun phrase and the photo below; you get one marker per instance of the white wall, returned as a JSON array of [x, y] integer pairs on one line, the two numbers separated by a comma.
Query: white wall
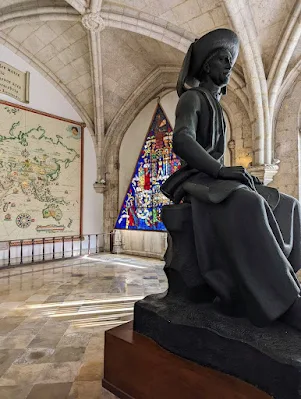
[[45, 97]]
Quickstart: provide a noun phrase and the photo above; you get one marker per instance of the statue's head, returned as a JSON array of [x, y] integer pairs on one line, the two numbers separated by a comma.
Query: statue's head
[[217, 67], [213, 56]]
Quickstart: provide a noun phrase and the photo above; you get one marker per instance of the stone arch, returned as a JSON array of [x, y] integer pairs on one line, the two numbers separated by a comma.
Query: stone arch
[[285, 88], [125, 115], [167, 33], [180, 39], [162, 79], [283, 56], [29, 15], [287, 141], [46, 13], [278, 85], [52, 78], [78, 5], [287, 84], [241, 19], [155, 28], [240, 125]]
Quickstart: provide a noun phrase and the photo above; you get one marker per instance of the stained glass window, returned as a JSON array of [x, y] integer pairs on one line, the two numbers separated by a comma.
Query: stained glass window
[[142, 205]]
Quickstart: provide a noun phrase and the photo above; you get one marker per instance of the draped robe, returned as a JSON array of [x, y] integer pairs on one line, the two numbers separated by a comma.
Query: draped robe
[[248, 242]]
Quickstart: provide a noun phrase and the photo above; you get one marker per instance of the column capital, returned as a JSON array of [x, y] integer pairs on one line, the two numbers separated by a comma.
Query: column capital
[[264, 172]]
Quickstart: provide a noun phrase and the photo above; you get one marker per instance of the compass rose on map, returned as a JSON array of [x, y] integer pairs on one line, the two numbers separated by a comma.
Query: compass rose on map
[[23, 220]]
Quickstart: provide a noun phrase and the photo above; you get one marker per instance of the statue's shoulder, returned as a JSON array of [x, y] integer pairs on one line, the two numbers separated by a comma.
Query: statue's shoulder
[[194, 96], [203, 94]]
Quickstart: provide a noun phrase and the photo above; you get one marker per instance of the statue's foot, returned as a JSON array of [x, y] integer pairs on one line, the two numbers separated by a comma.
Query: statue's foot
[[293, 316]]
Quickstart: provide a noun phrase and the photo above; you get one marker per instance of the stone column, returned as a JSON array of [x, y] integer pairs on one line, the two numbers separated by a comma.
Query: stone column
[[94, 23]]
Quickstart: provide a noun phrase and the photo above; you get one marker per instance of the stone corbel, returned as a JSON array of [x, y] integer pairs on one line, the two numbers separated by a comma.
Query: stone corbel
[[265, 173], [100, 187]]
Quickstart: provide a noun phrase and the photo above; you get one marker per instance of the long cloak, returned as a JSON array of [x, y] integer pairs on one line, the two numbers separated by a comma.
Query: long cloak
[[248, 242]]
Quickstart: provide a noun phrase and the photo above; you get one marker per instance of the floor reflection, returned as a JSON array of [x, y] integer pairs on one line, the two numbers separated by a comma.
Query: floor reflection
[[53, 318]]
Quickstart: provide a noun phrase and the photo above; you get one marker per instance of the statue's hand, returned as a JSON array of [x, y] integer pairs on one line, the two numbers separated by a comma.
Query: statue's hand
[[238, 173]]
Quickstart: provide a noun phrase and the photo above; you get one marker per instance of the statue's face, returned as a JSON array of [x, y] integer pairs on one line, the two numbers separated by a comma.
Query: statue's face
[[219, 67]]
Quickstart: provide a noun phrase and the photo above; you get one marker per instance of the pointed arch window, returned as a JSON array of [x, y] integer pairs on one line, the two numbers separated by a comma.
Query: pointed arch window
[[142, 205]]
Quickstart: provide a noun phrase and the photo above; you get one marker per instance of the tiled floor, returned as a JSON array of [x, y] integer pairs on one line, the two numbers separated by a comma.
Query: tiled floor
[[53, 317]]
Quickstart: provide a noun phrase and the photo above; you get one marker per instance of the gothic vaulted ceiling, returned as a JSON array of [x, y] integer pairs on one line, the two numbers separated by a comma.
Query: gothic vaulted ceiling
[[99, 53]]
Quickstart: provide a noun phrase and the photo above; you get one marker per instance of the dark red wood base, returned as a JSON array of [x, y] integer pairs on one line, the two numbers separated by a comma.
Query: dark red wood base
[[135, 367]]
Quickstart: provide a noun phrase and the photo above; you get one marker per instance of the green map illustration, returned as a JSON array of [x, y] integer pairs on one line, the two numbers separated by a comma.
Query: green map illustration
[[40, 175]]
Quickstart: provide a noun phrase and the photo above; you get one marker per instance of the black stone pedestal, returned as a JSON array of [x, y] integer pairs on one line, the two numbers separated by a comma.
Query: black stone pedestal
[[187, 322], [268, 358]]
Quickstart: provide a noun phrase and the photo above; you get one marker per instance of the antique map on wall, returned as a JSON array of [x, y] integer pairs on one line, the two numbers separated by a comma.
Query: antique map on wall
[[40, 174]]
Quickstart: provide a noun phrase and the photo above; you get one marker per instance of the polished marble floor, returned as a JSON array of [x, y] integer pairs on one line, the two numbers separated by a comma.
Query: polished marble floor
[[53, 317]]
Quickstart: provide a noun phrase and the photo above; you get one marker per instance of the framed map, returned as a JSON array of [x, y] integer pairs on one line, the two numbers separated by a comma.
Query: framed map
[[143, 202], [40, 174]]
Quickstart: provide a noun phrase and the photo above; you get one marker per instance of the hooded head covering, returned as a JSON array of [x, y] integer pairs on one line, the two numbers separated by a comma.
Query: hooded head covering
[[201, 49]]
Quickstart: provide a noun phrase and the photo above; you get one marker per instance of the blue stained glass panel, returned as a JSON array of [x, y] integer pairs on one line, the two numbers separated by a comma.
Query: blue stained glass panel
[[142, 205]]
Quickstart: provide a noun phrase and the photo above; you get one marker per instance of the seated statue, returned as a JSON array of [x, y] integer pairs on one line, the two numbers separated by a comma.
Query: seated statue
[[245, 239]]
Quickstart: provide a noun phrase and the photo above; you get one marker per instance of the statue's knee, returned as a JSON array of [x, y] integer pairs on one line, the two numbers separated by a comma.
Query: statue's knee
[[176, 217]]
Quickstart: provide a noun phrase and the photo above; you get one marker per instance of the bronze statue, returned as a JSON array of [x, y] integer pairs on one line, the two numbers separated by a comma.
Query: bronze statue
[[247, 236]]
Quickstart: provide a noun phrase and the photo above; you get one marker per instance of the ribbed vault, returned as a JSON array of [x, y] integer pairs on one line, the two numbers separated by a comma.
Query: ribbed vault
[[100, 54]]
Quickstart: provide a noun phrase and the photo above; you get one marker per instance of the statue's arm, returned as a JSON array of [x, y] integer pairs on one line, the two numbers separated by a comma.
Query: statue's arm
[[184, 135]]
